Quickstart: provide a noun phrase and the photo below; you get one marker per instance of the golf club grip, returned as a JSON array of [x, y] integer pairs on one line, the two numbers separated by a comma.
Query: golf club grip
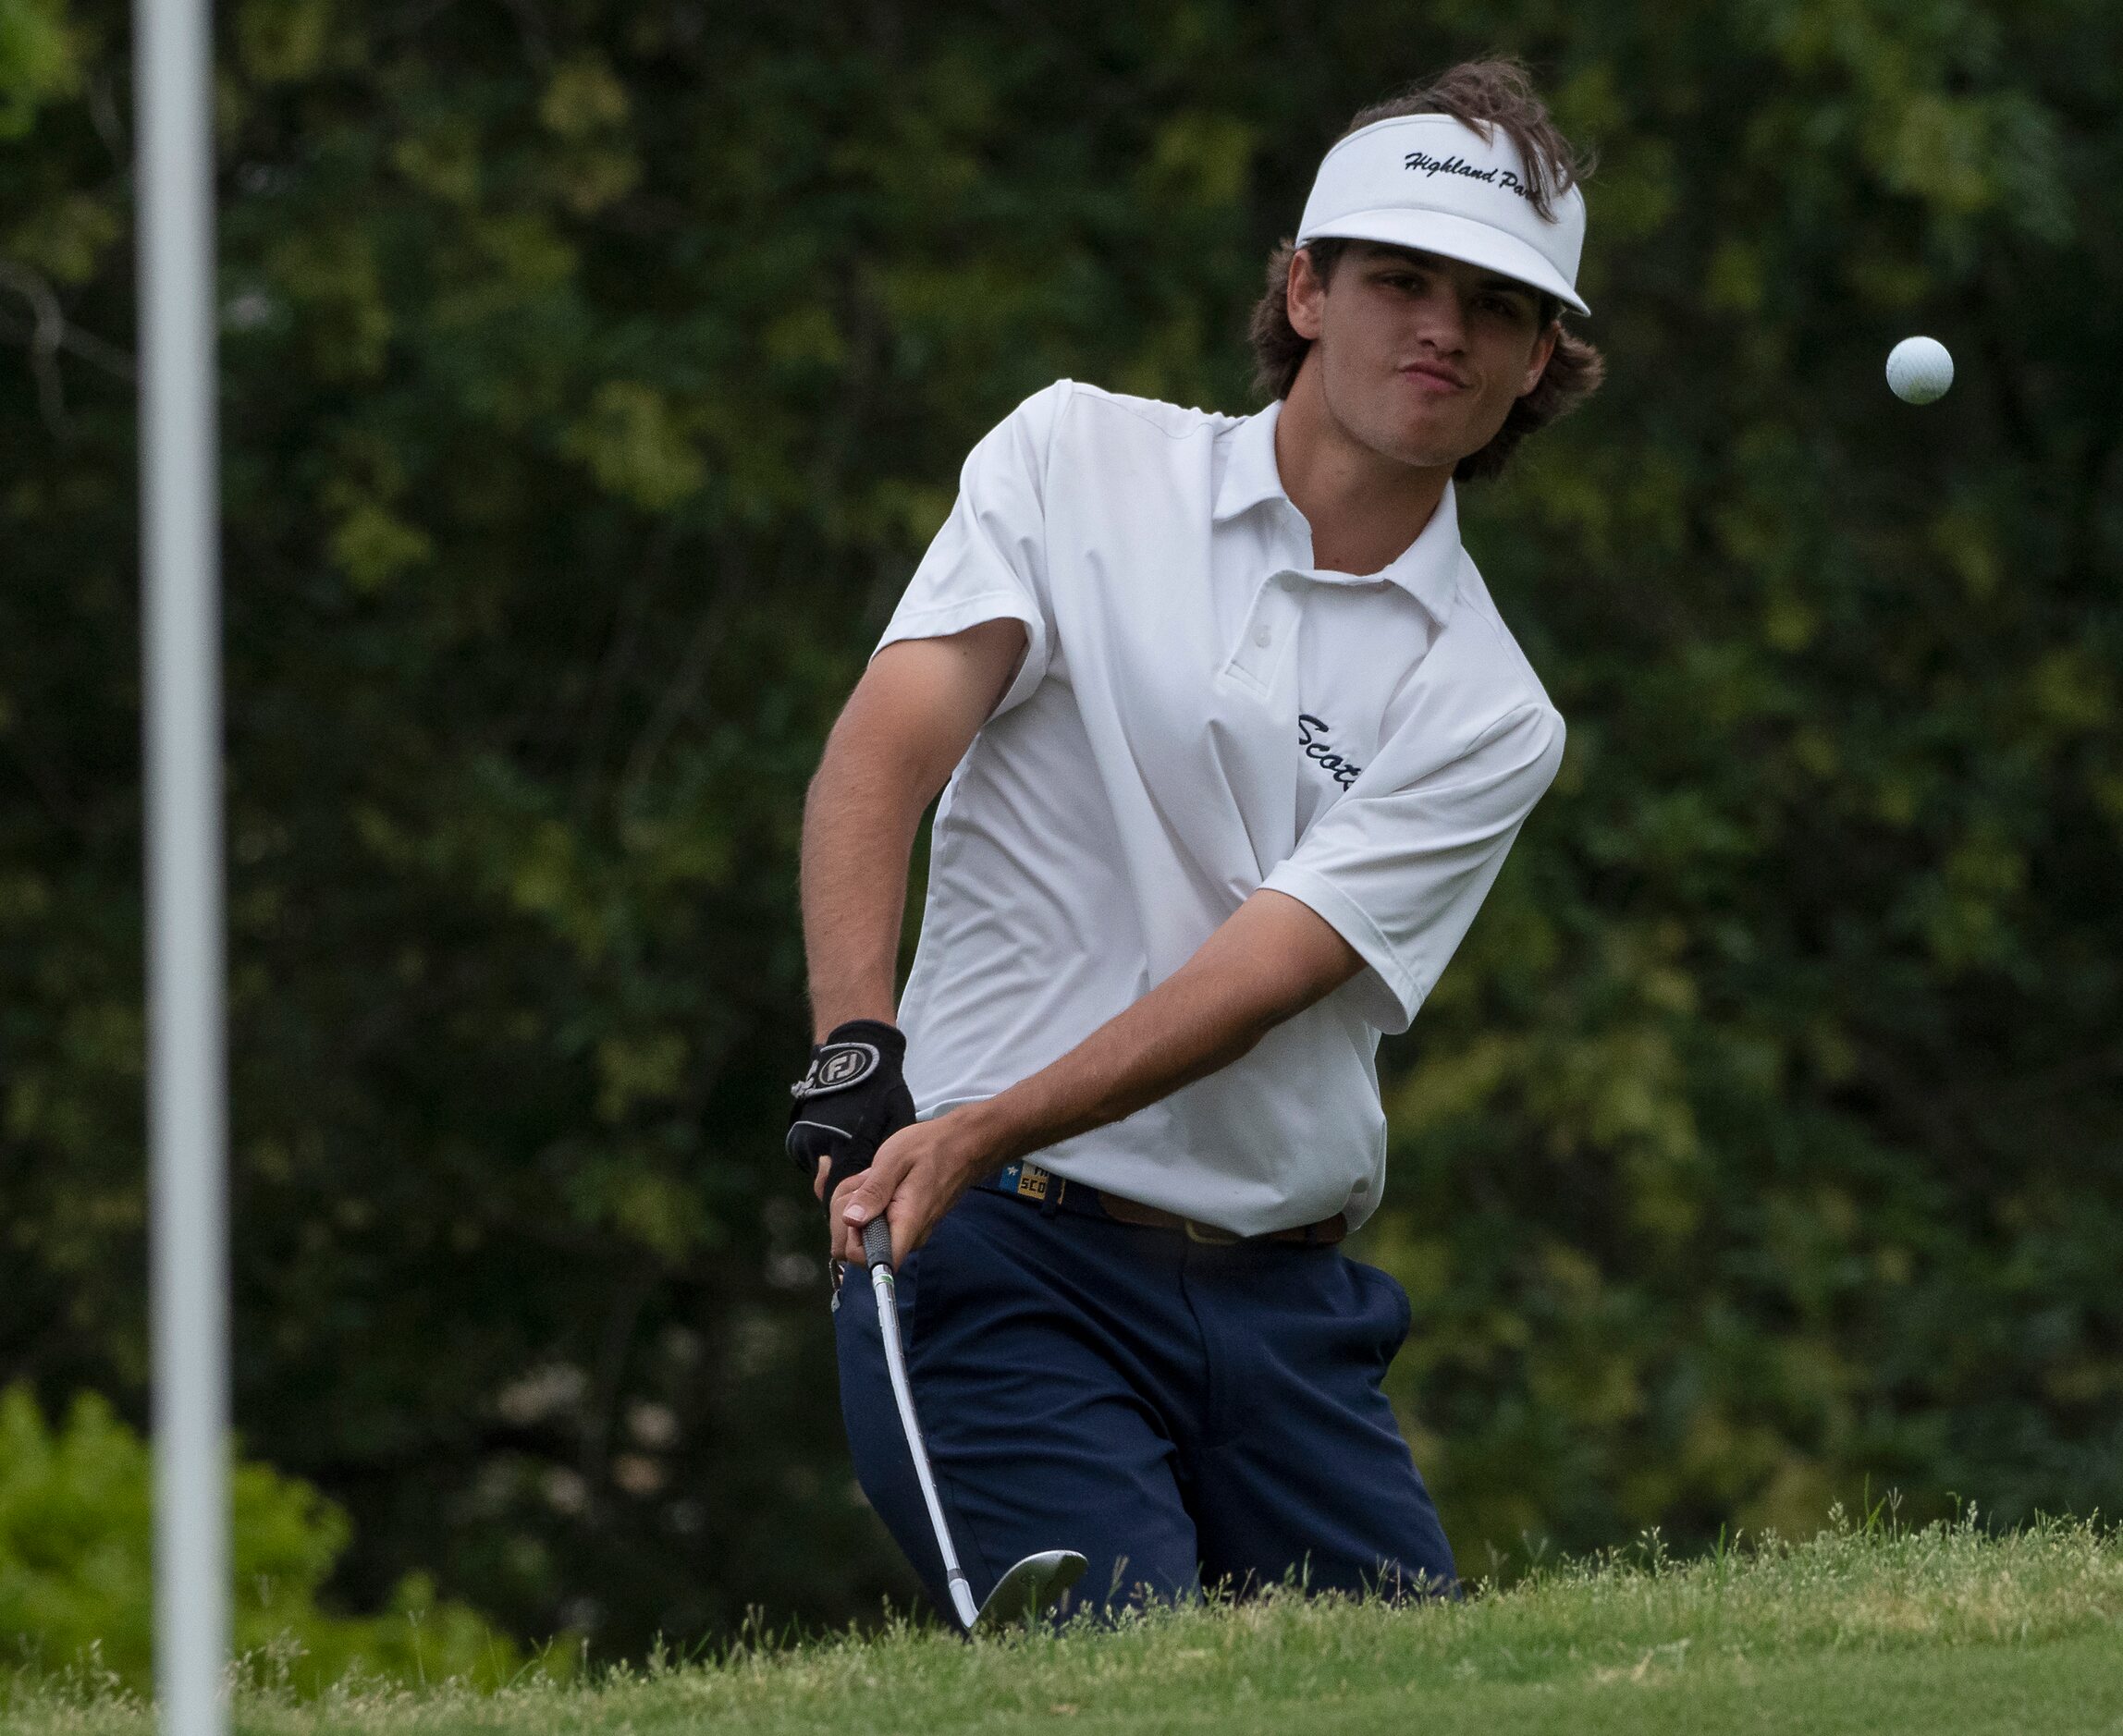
[[878, 1243]]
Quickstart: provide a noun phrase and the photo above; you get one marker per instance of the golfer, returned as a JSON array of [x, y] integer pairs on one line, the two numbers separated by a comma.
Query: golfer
[[1231, 742]]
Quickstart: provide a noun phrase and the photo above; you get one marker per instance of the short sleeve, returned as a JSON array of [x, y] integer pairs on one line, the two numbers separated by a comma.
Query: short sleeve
[[1399, 873], [989, 562]]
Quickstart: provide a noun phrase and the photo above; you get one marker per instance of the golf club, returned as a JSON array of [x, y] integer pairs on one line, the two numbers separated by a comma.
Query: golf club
[[1034, 1583]]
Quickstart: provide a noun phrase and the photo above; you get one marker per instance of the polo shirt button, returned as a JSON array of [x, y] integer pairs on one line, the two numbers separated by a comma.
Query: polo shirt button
[[1261, 637]]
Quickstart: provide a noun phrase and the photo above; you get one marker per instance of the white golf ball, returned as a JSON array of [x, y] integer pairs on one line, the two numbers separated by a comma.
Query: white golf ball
[[1919, 370]]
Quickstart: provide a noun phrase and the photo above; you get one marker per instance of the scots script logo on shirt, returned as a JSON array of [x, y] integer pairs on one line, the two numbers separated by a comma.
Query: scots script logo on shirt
[[1312, 733]]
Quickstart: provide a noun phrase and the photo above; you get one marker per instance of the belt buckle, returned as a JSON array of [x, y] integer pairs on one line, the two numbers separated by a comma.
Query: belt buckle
[[1209, 1235]]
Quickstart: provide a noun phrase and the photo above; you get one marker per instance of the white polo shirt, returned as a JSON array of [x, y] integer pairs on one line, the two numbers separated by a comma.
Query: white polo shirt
[[1202, 713]]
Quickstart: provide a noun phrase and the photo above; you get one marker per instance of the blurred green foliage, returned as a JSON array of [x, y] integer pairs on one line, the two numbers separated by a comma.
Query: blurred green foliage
[[594, 373], [76, 1597]]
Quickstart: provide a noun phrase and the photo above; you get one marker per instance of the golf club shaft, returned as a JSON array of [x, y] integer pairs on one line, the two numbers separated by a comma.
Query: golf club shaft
[[878, 1250]]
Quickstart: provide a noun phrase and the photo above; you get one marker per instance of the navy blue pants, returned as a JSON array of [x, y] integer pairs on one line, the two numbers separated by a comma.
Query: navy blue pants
[[1186, 1416]]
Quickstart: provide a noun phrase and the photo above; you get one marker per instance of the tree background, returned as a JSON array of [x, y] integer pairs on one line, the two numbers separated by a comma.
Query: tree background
[[593, 375]]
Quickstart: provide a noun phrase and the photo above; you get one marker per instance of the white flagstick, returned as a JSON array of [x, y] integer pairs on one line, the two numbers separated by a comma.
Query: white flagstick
[[181, 743]]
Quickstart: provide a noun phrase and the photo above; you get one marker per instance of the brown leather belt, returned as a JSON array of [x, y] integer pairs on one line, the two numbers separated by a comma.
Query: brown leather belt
[[1028, 1181]]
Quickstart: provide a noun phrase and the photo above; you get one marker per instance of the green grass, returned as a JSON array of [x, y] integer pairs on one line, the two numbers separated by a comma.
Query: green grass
[[1942, 1630]]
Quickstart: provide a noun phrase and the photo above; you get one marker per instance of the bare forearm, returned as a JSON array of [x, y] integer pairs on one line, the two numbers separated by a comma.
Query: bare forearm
[[1272, 958], [1161, 1042], [859, 822], [1270, 961]]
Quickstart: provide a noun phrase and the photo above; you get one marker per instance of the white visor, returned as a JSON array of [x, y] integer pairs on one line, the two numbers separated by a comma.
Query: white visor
[[1431, 182]]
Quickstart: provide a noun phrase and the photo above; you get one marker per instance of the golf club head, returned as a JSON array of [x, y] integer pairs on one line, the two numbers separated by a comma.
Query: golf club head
[[1029, 1589]]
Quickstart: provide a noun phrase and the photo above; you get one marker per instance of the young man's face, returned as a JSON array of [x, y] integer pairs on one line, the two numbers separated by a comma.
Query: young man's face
[[1419, 357]]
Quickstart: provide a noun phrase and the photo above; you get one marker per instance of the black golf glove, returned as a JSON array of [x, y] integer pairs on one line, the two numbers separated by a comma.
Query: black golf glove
[[851, 1101]]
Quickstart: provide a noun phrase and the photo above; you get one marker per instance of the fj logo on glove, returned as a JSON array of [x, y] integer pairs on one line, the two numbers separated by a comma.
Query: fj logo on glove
[[850, 1101], [836, 1067]]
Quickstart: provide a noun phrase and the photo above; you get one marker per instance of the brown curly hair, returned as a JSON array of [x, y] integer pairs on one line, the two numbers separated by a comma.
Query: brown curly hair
[[1484, 94]]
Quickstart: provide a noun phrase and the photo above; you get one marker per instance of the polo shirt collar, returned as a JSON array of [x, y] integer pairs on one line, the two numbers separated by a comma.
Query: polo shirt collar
[[1427, 569], [1249, 472]]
